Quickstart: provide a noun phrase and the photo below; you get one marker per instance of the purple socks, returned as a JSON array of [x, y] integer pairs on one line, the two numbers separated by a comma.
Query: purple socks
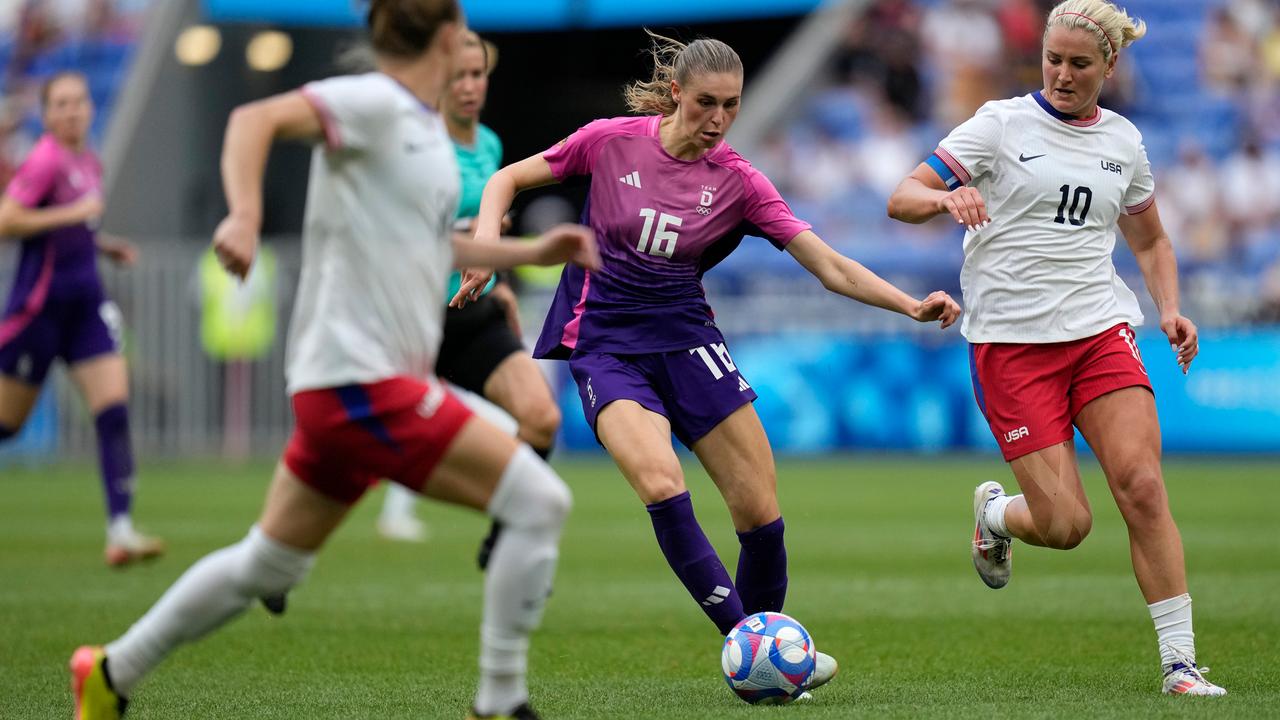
[[694, 560], [762, 568], [115, 458]]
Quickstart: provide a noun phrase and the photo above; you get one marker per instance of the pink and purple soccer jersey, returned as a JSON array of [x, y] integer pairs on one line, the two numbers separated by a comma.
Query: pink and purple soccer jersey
[[640, 328], [661, 223], [56, 307]]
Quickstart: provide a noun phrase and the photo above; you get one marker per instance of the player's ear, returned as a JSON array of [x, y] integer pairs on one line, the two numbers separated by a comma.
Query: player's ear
[[1111, 66], [675, 91]]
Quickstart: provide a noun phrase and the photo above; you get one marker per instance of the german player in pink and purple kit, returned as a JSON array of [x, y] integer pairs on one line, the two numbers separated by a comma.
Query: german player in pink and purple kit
[[57, 307], [670, 199]]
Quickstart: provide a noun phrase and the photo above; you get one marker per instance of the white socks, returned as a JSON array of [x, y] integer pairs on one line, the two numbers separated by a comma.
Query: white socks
[[1172, 618], [120, 530], [211, 592], [531, 502], [993, 515]]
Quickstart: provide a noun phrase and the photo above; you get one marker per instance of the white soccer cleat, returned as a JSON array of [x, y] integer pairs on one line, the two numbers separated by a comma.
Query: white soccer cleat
[[824, 669], [992, 553], [403, 528], [129, 546], [1184, 678]]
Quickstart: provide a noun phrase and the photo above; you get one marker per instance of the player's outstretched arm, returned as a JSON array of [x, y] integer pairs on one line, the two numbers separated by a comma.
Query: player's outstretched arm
[[561, 244], [1154, 251], [20, 221], [850, 278], [922, 195], [250, 131], [499, 192]]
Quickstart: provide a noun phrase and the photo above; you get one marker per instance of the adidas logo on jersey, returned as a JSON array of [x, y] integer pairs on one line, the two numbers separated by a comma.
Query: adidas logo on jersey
[[633, 179], [742, 384]]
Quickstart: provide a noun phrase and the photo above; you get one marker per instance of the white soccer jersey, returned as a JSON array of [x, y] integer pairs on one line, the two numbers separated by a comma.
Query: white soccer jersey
[[376, 241], [1054, 187]]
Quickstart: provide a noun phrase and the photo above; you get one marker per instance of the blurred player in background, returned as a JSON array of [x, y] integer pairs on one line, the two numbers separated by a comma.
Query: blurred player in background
[[57, 307], [1041, 182], [670, 199], [482, 351], [362, 346]]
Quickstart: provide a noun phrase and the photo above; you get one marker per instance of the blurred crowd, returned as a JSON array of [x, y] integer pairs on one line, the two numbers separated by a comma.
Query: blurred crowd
[[1203, 87], [40, 37]]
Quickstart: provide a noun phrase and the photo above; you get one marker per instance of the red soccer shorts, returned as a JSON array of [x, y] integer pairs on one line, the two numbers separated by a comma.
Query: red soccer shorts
[[346, 438], [1031, 392]]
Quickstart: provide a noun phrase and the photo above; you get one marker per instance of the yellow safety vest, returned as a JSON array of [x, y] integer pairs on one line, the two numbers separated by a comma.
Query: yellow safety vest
[[238, 319]]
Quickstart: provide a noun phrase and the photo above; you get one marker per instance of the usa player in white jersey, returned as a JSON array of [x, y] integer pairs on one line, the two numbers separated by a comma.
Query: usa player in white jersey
[[362, 347], [1042, 182]]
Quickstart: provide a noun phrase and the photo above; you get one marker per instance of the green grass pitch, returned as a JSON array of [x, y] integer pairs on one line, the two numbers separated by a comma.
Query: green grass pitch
[[880, 574]]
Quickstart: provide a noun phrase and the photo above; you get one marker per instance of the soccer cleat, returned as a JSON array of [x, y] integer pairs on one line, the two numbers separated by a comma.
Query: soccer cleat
[[521, 712], [91, 690], [130, 547], [275, 604], [1184, 677], [992, 553], [486, 545], [403, 528], [824, 669]]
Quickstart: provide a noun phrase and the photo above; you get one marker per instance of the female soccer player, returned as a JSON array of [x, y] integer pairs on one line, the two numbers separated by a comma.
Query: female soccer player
[[1041, 182], [482, 351], [57, 307], [362, 346], [669, 199]]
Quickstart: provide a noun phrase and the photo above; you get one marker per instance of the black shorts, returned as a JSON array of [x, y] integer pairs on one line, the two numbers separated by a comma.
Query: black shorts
[[476, 340]]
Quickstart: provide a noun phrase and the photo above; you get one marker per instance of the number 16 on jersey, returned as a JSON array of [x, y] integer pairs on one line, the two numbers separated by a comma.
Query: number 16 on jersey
[[660, 242]]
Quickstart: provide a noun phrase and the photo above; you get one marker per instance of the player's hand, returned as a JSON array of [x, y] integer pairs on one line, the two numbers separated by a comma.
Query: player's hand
[[966, 206], [473, 282], [1183, 338], [938, 306], [89, 208], [119, 251], [236, 242], [506, 299], [568, 243]]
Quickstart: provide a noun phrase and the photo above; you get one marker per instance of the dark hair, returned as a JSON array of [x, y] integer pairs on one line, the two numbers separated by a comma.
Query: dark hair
[[50, 81], [404, 28]]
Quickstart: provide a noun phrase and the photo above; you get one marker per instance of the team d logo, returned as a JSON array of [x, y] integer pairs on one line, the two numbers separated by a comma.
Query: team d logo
[[704, 201]]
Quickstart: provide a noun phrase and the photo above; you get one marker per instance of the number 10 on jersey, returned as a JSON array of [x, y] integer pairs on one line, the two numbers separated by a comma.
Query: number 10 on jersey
[[660, 242]]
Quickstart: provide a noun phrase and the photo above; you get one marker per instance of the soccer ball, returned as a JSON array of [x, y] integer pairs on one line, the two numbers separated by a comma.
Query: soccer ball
[[768, 658]]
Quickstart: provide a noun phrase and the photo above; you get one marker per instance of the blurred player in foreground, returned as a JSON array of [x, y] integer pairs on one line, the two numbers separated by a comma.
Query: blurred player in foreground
[[482, 351], [376, 255], [1041, 182], [57, 307], [669, 200]]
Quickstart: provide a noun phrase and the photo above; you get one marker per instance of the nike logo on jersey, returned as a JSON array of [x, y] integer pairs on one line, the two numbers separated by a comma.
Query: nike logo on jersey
[[1024, 158], [632, 179]]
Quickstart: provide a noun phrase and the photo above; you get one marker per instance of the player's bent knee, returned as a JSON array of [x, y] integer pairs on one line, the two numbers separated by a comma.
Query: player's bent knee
[[543, 422], [530, 494], [1142, 498], [269, 567]]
